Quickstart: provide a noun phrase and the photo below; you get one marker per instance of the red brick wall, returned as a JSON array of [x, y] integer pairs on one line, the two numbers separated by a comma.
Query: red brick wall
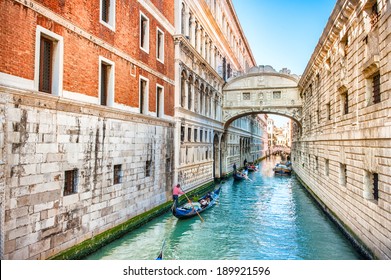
[[81, 56]]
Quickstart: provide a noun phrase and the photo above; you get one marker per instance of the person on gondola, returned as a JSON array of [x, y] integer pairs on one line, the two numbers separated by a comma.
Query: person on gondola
[[176, 192], [234, 167]]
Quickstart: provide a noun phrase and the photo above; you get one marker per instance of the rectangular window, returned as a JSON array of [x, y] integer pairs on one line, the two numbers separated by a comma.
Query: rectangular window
[[375, 186], [107, 13], [148, 166], [104, 81], [201, 133], [49, 62], [371, 186], [276, 94], [345, 103], [160, 45], [182, 133], [376, 88], [143, 96], [343, 174], [246, 96], [159, 102], [117, 174], [189, 134], [45, 65], [195, 135], [70, 182], [328, 111], [326, 167], [144, 33]]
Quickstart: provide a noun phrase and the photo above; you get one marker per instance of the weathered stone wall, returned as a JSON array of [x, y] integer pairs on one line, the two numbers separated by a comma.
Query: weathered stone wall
[[345, 142], [43, 137]]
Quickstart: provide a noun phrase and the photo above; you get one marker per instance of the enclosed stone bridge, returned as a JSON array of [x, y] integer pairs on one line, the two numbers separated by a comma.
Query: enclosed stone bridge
[[262, 92]]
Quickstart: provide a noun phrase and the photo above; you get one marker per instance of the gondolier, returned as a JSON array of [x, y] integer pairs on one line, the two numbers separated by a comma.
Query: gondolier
[[176, 192]]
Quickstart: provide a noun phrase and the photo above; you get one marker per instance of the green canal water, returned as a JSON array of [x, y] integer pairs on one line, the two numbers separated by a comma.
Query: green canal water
[[268, 218]]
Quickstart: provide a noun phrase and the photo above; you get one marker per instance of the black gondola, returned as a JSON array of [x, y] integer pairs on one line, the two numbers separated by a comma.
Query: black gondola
[[194, 208]]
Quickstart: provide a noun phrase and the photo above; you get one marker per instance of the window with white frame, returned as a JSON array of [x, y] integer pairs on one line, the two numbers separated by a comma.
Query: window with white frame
[[159, 101], [160, 45], [143, 95], [106, 82], [144, 33], [49, 57], [107, 13]]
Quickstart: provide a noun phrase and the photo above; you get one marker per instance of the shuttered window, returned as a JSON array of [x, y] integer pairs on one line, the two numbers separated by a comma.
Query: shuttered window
[[104, 84], [105, 10], [45, 65]]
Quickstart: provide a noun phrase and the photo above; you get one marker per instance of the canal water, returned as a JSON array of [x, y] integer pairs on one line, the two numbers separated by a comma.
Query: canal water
[[267, 218]]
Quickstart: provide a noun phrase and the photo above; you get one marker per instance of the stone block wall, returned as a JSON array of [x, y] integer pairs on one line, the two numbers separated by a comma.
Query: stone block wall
[[343, 152], [43, 137]]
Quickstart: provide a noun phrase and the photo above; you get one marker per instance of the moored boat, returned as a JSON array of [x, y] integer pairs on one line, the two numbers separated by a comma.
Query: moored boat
[[282, 169], [192, 209]]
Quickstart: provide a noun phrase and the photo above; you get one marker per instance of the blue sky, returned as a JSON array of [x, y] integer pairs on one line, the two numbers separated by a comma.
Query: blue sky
[[283, 33]]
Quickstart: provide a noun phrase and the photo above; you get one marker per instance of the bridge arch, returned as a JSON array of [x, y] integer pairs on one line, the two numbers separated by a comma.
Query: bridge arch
[[262, 92]]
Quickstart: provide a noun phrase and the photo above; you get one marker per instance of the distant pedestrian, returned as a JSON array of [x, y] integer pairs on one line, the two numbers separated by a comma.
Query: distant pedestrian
[[176, 192]]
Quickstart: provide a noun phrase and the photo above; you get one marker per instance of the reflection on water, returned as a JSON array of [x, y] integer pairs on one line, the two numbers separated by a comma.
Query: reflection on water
[[270, 217]]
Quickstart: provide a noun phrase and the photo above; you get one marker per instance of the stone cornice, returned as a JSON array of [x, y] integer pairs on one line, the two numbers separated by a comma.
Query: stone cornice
[[338, 19], [56, 103]]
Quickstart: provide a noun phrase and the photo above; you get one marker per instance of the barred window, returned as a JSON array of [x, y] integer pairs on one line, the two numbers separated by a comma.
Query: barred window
[[117, 174], [148, 167], [376, 88], [70, 182]]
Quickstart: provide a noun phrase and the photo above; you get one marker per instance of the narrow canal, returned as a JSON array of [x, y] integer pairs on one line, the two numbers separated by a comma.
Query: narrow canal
[[268, 218]]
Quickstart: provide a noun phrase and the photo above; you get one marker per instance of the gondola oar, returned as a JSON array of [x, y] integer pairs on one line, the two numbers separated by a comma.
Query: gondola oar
[[160, 257], [202, 220]]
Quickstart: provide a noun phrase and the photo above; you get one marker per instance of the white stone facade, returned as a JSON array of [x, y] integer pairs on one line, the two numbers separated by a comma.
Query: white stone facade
[[343, 152], [210, 48], [44, 137]]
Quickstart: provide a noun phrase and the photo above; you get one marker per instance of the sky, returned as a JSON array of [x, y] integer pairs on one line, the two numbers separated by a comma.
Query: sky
[[283, 33]]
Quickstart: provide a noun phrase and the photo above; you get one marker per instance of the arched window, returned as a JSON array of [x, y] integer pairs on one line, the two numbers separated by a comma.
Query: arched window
[[190, 93], [201, 98], [183, 89], [196, 96]]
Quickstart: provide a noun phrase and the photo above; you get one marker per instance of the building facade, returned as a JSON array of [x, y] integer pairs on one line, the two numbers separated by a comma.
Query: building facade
[[210, 48], [87, 114], [343, 150]]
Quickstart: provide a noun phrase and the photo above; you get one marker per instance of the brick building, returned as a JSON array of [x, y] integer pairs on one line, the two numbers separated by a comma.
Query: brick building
[[86, 112]]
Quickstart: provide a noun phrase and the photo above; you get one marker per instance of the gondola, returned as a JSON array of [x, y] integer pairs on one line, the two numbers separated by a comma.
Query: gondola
[[192, 209], [252, 168], [239, 176], [282, 169]]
